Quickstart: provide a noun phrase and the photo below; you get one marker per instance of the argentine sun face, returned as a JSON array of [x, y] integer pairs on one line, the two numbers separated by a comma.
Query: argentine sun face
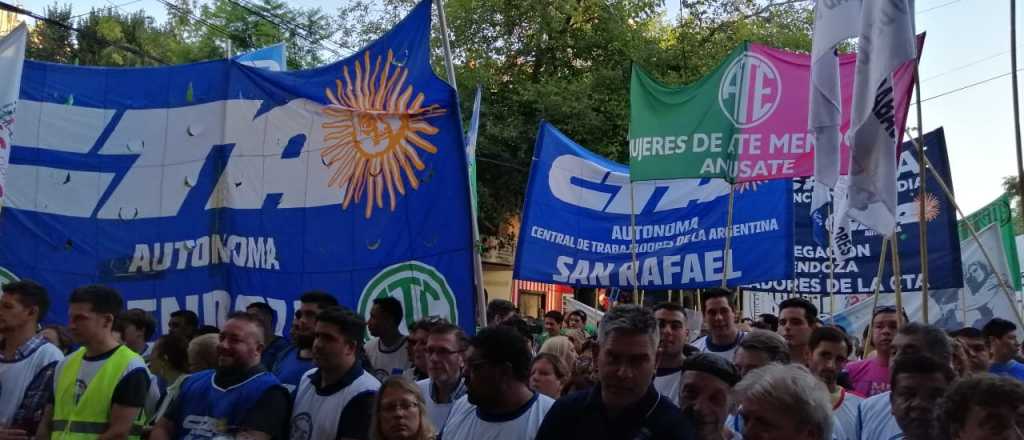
[[375, 133]]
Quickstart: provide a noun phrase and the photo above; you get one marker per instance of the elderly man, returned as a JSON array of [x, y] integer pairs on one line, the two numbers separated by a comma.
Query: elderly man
[[784, 402], [918, 383], [704, 394], [982, 407], [624, 405], [760, 348]]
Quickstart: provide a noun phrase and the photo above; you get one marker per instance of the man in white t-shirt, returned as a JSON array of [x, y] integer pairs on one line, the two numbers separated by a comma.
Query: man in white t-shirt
[[445, 348], [27, 360], [723, 335], [499, 404], [386, 350], [672, 326], [829, 351], [335, 399], [76, 395]]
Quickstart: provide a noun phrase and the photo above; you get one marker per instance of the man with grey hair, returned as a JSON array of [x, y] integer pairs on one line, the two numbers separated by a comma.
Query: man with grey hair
[[760, 348], [875, 419], [624, 405], [784, 402]]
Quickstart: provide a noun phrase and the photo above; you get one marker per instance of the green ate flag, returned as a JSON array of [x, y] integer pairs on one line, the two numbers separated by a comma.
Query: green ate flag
[[683, 132]]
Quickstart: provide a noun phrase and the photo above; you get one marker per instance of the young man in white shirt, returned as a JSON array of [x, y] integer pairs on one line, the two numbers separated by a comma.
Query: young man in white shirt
[[386, 351], [672, 326], [723, 335], [27, 359], [335, 399], [499, 404], [830, 350]]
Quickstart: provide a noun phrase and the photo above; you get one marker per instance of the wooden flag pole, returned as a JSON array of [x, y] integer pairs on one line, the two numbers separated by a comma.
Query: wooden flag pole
[[922, 221], [728, 236], [878, 289], [974, 234], [897, 275]]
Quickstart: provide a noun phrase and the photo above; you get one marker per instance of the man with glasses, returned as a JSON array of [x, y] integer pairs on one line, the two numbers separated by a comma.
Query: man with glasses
[[499, 404], [298, 359], [871, 375], [335, 399], [445, 347]]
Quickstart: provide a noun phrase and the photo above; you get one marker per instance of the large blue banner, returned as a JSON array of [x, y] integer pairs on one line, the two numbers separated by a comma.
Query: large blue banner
[[212, 185], [577, 229], [857, 274]]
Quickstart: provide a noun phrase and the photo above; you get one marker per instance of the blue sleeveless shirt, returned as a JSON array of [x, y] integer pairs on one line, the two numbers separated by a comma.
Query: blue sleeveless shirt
[[208, 411]]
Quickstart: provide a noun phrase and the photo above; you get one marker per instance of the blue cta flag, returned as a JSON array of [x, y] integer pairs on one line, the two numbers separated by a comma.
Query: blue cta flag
[[210, 186]]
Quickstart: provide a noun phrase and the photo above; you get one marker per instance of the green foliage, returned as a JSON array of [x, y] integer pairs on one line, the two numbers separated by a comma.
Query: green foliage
[[49, 42], [1010, 187]]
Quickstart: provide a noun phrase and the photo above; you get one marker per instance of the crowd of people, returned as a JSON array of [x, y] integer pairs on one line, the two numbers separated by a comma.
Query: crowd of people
[[636, 374]]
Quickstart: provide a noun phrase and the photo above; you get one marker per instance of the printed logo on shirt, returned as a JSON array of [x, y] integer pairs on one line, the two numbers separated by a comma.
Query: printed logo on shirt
[[878, 388], [204, 428], [80, 386], [302, 427], [422, 290]]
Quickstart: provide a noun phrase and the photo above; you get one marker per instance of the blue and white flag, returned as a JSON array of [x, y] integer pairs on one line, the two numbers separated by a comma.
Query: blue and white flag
[[212, 185], [576, 226], [273, 58], [12, 57]]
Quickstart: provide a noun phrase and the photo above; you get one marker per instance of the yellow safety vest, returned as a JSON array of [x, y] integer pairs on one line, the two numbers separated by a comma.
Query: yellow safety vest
[[89, 417]]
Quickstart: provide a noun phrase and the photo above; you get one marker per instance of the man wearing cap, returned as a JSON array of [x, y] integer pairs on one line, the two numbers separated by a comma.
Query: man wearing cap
[[704, 394]]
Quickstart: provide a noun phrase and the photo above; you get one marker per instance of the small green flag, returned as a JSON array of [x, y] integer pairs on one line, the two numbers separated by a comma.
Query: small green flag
[[998, 212]]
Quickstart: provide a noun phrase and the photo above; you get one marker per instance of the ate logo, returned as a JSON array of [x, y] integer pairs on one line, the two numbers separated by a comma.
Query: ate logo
[[750, 91]]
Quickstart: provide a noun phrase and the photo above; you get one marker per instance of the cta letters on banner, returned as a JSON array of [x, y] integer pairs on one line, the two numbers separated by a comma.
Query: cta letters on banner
[[576, 226], [856, 274], [209, 186]]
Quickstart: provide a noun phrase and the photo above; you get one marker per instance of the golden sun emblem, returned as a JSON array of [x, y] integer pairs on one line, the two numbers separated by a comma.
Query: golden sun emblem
[[931, 206], [374, 133]]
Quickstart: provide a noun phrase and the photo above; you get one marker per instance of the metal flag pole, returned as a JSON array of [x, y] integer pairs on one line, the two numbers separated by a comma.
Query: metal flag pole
[[446, 44], [1016, 99], [831, 273], [728, 236], [878, 290], [478, 265], [922, 222]]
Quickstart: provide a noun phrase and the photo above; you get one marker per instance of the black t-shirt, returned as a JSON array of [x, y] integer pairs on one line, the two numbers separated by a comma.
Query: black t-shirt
[[269, 414], [583, 415]]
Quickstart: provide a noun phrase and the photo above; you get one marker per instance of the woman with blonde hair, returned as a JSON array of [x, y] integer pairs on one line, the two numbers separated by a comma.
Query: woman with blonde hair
[[549, 375], [400, 412], [562, 347]]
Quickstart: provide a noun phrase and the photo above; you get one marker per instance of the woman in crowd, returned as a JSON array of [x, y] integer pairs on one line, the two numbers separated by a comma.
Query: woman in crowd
[[59, 336], [399, 412], [548, 375], [169, 362], [561, 347]]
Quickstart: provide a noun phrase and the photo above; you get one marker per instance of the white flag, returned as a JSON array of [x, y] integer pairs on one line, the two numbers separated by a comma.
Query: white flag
[[12, 56], [834, 21], [885, 42]]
